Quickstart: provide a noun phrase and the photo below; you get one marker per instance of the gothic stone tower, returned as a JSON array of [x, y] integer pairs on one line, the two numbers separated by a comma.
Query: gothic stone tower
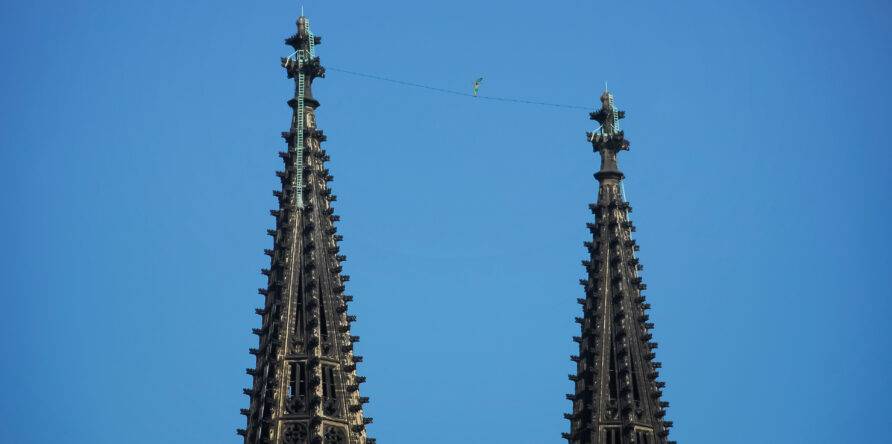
[[305, 389], [617, 397]]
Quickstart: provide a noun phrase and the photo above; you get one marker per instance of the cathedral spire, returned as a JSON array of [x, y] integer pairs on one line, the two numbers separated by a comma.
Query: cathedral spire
[[617, 397], [305, 387]]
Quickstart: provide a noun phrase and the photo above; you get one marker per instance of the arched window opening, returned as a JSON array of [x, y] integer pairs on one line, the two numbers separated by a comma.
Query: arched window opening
[[297, 379], [302, 379], [612, 436], [328, 382], [292, 379]]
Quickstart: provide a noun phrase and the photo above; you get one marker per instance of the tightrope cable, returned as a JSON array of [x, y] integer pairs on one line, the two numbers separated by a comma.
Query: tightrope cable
[[457, 93]]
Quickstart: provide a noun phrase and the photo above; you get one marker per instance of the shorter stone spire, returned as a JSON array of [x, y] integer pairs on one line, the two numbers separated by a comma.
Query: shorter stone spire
[[617, 397]]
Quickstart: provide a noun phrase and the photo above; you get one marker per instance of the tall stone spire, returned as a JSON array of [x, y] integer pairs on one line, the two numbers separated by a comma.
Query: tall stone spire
[[618, 397], [305, 388]]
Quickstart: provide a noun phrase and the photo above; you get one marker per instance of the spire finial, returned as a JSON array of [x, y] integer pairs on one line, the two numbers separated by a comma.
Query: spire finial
[[301, 10]]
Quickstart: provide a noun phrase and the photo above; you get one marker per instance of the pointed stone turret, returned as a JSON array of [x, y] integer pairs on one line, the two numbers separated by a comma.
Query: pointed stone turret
[[305, 388], [618, 397]]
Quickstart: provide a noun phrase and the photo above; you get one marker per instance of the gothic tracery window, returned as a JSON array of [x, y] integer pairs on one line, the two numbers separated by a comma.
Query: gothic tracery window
[[335, 435], [295, 433], [297, 387]]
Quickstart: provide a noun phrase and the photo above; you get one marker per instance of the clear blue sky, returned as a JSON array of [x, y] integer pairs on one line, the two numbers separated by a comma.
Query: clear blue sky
[[139, 141]]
